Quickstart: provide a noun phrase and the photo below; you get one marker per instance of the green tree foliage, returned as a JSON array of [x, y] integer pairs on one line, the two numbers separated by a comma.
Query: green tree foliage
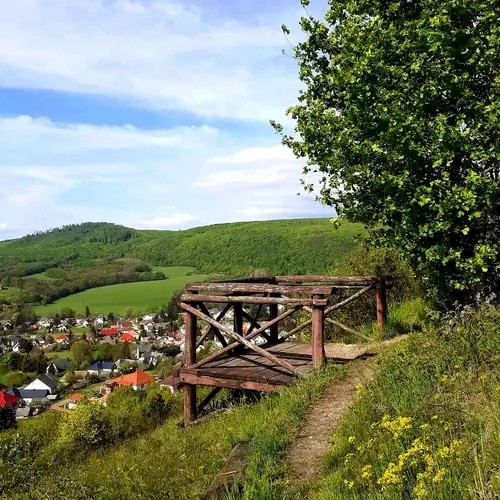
[[86, 426], [15, 379], [87, 312], [400, 117], [81, 352], [7, 418]]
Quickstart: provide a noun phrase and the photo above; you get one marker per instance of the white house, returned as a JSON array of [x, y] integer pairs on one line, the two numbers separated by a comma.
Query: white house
[[43, 383]]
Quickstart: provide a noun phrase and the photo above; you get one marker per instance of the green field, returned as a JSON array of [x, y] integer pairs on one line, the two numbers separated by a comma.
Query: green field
[[140, 296]]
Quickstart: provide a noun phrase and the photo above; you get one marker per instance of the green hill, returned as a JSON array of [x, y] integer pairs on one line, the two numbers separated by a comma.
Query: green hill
[[281, 246]]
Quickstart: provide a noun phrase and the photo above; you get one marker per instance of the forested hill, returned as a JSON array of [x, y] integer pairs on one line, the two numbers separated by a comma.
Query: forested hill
[[280, 246]]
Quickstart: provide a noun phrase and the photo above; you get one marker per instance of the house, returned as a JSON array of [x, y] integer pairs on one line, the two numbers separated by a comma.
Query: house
[[82, 323], [102, 368], [59, 366], [43, 383], [62, 338], [150, 327], [9, 399], [127, 337], [44, 323], [171, 383], [28, 396], [74, 399], [127, 324], [149, 317], [110, 332], [107, 339], [137, 380]]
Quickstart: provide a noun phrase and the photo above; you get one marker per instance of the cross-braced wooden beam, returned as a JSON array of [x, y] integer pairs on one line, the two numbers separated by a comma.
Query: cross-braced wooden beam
[[242, 340], [218, 334], [354, 296], [209, 328]]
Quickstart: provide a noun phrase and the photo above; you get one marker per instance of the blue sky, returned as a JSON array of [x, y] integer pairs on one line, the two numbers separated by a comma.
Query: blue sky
[[148, 113]]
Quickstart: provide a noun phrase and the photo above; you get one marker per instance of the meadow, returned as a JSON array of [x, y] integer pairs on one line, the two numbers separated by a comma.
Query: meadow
[[141, 296]]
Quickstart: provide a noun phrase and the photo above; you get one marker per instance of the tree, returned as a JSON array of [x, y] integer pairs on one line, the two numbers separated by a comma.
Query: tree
[[128, 312], [15, 379], [81, 352], [399, 119], [7, 418], [87, 312]]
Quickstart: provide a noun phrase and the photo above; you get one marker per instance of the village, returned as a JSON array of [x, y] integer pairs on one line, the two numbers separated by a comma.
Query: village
[[126, 352]]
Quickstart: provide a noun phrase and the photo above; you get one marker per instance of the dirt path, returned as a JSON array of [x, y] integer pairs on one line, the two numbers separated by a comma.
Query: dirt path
[[309, 449]]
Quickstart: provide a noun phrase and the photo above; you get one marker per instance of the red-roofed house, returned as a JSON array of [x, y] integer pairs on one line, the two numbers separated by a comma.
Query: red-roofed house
[[136, 380], [8, 399], [115, 327], [109, 331], [61, 338], [126, 337], [127, 324]]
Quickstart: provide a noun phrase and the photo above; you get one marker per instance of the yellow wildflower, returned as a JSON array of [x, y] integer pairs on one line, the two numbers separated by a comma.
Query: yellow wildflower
[[351, 439], [443, 379], [439, 476], [434, 417], [398, 426], [366, 472], [391, 475], [349, 484], [359, 389]]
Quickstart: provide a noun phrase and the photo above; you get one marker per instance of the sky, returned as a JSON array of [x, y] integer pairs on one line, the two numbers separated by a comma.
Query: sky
[[149, 113]]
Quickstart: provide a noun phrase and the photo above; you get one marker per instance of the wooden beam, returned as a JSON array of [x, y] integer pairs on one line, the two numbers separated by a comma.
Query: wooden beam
[[273, 313], [326, 279], [253, 323], [381, 307], [190, 359], [354, 296], [250, 300], [209, 328], [318, 336], [207, 399], [191, 379], [243, 340], [341, 326], [218, 334], [259, 288]]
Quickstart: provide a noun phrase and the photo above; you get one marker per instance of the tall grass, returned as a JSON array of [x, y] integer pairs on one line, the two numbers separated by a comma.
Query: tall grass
[[174, 463], [428, 426]]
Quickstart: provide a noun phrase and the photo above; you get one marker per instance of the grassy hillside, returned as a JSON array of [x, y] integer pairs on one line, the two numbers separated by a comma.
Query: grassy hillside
[[282, 246], [141, 296]]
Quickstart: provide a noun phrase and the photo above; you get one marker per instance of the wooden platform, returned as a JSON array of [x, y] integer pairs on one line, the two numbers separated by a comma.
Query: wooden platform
[[249, 370]]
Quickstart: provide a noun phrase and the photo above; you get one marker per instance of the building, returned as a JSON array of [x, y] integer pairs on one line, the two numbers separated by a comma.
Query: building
[[102, 368], [43, 383], [7, 399], [137, 380]]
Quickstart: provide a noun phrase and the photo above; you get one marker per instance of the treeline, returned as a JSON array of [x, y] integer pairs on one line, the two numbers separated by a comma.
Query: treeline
[[282, 246], [64, 281]]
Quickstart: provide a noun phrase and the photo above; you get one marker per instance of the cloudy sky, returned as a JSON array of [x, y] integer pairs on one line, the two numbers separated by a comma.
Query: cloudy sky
[[148, 113]]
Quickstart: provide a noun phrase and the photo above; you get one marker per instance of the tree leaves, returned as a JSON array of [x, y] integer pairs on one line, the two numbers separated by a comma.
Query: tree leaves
[[400, 114]]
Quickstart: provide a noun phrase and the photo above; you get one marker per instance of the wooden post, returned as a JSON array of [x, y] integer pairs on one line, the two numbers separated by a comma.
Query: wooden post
[[273, 313], [318, 334], [190, 359], [381, 306], [238, 317]]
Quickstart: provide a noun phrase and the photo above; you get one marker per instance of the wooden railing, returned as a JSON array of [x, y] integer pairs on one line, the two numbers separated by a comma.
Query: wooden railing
[[307, 293]]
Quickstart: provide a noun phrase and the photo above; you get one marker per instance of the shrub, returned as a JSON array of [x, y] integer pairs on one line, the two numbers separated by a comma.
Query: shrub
[[15, 379]]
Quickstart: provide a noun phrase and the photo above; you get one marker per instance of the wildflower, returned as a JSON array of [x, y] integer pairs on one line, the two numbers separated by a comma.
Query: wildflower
[[398, 426], [483, 378], [348, 458], [349, 484], [366, 472], [351, 439], [443, 379], [434, 417], [391, 475], [439, 476], [424, 426], [359, 389], [419, 491]]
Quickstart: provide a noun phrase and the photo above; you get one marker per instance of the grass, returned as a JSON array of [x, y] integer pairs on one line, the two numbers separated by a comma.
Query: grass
[[141, 296], [58, 354], [174, 463], [428, 426], [41, 276]]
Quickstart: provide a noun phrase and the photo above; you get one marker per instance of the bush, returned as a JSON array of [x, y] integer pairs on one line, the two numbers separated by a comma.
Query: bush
[[15, 379]]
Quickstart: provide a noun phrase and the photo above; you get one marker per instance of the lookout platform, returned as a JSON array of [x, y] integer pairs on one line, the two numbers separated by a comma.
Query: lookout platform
[[277, 360]]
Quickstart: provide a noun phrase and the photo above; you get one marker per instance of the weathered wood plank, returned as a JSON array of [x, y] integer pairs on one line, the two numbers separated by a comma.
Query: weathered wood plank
[[239, 339], [259, 288], [222, 299], [381, 307], [318, 336], [191, 379], [327, 279]]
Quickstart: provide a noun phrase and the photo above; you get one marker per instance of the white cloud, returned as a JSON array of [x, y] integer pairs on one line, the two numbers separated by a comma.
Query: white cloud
[[174, 220], [3, 225], [274, 153], [162, 54]]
